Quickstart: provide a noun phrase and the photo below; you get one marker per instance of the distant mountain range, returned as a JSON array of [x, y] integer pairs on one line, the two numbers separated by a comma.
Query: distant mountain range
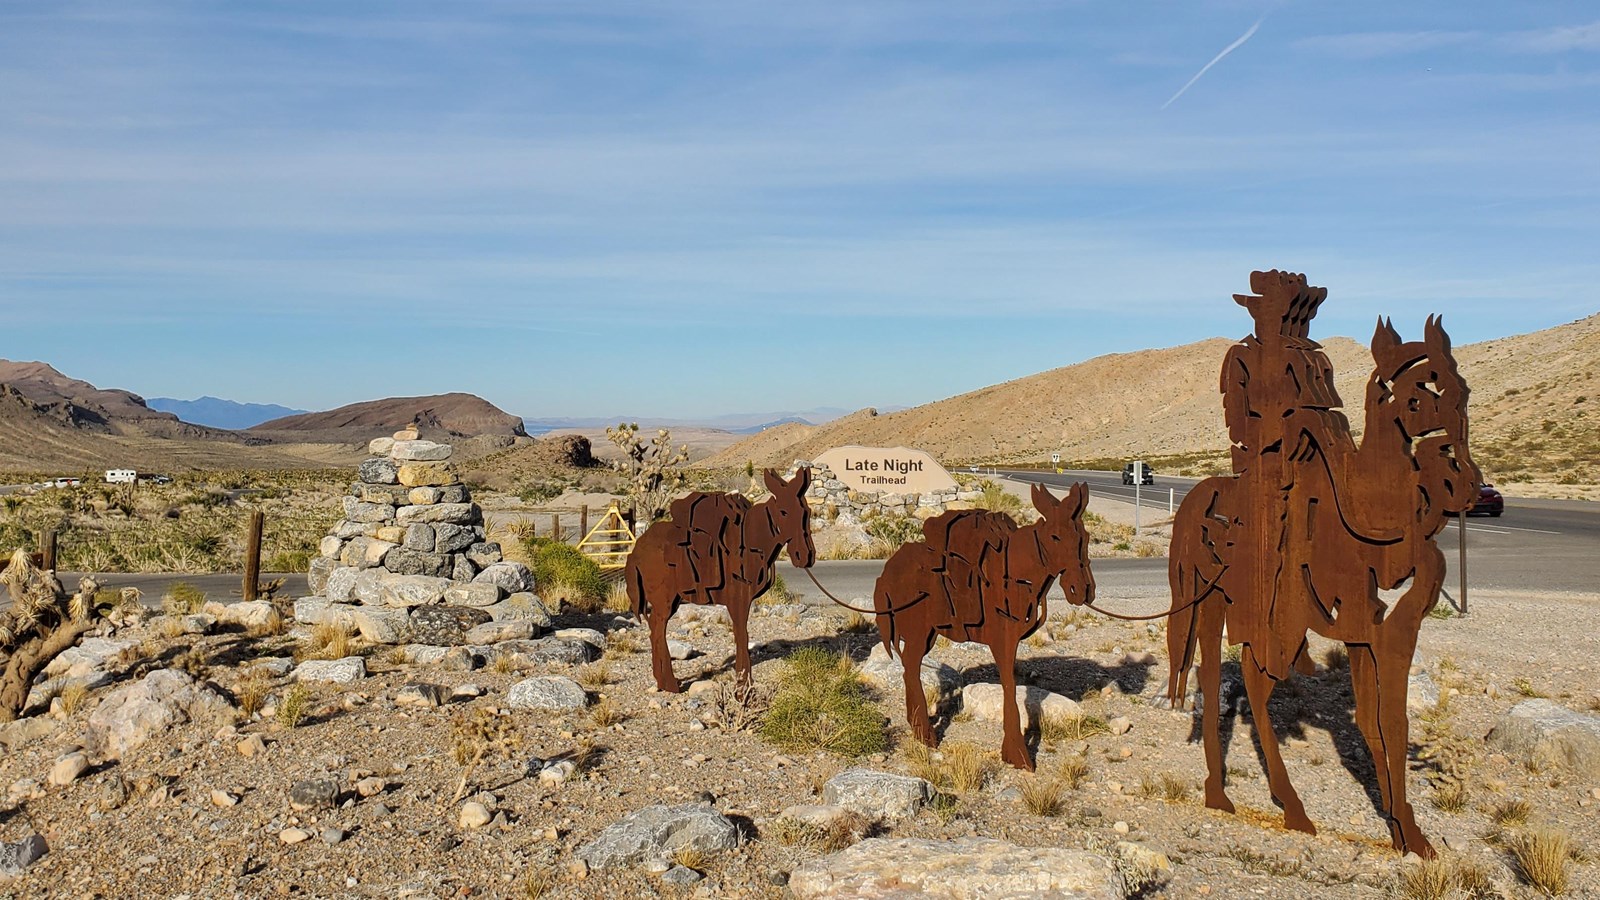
[[219, 413], [737, 423]]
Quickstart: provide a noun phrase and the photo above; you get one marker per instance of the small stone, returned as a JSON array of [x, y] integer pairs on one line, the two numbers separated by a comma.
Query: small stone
[[421, 694], [198, 623], [507, 630], [313, 793], [67, 769], [423, 496], [332, 835], [371, 786], [377, 470], [1120, 827], [702, 688], [451, 538], [556, 773], [877, 794], [348, 670], [224, 799], [251, 747], [681, 876], [1120, 725], [474, 815], [466, 692], [426, 474], [511, 577], [484, 554], [293, 835], [444, 626], [458, 659], [418, 535], [17, 856], [474, 594], [681, 650]]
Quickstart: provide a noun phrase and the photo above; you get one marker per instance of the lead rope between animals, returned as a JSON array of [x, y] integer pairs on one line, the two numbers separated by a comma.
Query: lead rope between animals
[[1209, 587]]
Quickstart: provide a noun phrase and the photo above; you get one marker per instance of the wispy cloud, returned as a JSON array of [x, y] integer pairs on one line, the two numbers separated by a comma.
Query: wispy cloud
[[1239, 42], [1563, 39], [1375, 44]]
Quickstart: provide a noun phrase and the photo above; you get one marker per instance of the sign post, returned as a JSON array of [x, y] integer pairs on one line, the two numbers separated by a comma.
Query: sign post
[[1461, 531], [1055, 460]]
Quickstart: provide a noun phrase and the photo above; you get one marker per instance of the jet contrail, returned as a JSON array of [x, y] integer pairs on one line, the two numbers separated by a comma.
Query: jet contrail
[[1218, 58]]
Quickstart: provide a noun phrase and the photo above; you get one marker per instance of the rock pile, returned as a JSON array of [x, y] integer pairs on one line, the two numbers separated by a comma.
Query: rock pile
[[832, 499], [409, 562]]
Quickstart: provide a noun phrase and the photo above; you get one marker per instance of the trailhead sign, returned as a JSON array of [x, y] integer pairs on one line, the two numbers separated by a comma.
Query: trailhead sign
[[886, 470]]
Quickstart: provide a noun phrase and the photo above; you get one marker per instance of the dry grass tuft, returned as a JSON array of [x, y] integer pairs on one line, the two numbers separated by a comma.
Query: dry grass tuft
[[1511, 813], [691, 857], [605, 713], [327, 641], [538, 883], [504, 664], [621, 643], [1452, 797], [1430, 880], [294, 706], [595, 676], [251, 693], [1544, 859], [1071, 728], [617, 599], [856, 623], [1045, 795], [838, 833]]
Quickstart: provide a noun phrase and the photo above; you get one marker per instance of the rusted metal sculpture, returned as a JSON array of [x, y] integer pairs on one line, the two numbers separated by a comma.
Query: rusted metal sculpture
[[1311, 526], [976, 576], [717, 548]]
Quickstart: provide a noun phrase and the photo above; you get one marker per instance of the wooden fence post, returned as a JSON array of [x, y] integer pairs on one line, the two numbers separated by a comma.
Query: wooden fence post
[[47, 551], [583, 522], [555, 527], [252, 556]]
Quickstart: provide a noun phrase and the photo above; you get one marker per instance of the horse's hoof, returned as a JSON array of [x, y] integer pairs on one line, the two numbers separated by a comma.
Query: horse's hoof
[[1219, 801], [1299, 822]]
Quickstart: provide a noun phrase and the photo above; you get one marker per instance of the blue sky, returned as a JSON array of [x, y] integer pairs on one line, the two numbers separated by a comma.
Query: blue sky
[[703, 206]]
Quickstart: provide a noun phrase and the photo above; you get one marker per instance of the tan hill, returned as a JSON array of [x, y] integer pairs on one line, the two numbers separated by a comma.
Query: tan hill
[[1530, 409], [455, 415], [82, 406]]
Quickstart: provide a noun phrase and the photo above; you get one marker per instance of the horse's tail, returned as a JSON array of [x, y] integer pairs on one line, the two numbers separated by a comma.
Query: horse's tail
[[1192, 569]]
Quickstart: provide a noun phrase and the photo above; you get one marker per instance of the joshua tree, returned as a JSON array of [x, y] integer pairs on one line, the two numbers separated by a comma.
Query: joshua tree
[[651, 472], [40, 623]]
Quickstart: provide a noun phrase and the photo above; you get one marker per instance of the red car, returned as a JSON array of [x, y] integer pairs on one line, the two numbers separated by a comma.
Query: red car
[[1490, 503]]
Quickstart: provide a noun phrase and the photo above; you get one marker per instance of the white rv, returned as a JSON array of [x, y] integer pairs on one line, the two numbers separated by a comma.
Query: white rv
[[121, 476]]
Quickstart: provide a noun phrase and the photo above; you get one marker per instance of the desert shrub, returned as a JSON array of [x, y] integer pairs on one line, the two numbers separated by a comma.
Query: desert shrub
[[540, 490], [289, 561], [1071, 728], [994, 497], [1511, 813], [821, 705], [182, 599], [893, 530], [838, 833], [1544, 859], [562, 572], [294, 706], [1044, 795]]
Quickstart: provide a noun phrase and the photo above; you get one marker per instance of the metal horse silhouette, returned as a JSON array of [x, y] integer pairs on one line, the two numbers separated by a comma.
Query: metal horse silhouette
[[978, 577], [1311, 526], [717, 548]]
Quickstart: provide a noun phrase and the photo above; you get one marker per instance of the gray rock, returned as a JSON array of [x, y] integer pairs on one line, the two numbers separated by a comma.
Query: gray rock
[[680, 876], [455, 493], [383, 494], [484, 554], [588, 635], [455, 513], [511, 577], [507, 630], [92, 654], [554, 692], [414, 562], [463, 569], [68, 768], [314, 793], [365, 552], [349, 670], [877, 794], [368, 586], [367, 513], [378, 470], [411, 590], [198, 623], [969, 867], [1544, 732], [445, 626], [984, 701], [1421, 693], [681, 650], [17, 856], [419, 537], [383, 624], [346, 530], [419, 693], [419, 451], [425, 495], [425, 654], [322, 567], [658, 832], [454, 538], [521, 606], [135, 713], [245, 613], [273, 666], [548, 651], [460, 659], [886, 672], [477, 594]]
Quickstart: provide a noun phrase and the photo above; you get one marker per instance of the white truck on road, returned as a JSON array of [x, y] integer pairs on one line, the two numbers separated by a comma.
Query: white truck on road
[[121, 476]]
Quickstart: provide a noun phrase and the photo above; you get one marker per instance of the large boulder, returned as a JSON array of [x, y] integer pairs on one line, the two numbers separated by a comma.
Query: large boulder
[[92, 654], [969, 867], [877, 794], [511, 577], [445, 626], [478, 594], [402, 561], [341, 584], [411, 590], [383, 624], [548, 651], [552, 692], [378, 470], [657, 833], [525, 605], [886, 672], [419, 451], [1543, 732], [448, 513], [983, 701], [317, 611], [348, 670], [133, 714]]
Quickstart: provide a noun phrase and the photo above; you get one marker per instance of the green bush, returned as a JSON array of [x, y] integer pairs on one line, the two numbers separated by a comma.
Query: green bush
[[289, 561], [559, 567], [893, 530], [995, 498], [182, 598], [821, 705]]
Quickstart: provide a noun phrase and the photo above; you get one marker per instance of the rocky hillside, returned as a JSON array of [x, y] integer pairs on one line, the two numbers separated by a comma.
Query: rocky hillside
[[80, 405], [1531, 401], [454, 415]]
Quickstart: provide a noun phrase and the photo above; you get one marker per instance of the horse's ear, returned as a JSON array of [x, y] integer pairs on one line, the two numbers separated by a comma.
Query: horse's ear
[[802, 477], [774, 483], [1434, 334], [1385, 337], [1078, 497], [1043, 500]]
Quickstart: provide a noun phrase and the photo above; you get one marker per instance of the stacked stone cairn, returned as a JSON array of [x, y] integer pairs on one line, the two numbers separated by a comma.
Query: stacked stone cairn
[[833, 500], [409, 563]]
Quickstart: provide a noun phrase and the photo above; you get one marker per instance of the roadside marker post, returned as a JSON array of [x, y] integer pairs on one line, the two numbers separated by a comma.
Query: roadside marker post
[[1461, 531], [1172, 494]]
